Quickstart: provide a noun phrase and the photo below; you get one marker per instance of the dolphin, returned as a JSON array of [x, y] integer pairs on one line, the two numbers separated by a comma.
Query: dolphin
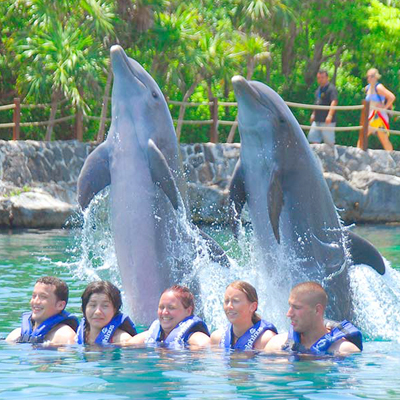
[[289, 202], [140, 161]]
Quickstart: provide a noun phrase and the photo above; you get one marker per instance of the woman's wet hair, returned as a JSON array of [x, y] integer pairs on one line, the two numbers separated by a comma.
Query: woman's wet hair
[[251, 294], [102, 287], [183, 293]]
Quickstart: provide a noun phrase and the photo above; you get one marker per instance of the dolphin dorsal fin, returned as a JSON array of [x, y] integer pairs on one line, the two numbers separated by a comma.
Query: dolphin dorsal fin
[[363, 252], [161, 174], [275, 202], [94, 176]]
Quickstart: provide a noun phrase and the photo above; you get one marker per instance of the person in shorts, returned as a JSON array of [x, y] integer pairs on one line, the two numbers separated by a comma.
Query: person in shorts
[[325, 95]]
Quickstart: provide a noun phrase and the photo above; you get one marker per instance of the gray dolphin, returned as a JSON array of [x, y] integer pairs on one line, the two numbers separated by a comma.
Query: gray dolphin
[[289, 201], [141, 162]]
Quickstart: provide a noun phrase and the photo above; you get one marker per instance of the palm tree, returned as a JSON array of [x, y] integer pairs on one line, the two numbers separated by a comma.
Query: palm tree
[[61, 52]]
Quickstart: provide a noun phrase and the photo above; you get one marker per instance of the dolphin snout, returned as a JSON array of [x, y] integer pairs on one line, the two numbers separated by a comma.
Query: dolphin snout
[[125, 68], [243, 89], [116, 47]]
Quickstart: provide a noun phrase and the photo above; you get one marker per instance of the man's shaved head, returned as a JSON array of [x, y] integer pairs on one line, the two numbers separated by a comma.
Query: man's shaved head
[[311, 292]]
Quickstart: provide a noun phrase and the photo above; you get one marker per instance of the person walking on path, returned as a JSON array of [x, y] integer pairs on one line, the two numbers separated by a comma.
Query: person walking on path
[[381, 99], [325, 95]]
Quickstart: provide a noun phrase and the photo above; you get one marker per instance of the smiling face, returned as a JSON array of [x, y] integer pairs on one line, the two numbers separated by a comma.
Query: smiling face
[[99, 311], [44, 303], [171, 311], [238, 308]]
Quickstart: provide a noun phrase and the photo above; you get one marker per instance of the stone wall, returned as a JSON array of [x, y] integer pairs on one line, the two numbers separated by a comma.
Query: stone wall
[[38, 181]]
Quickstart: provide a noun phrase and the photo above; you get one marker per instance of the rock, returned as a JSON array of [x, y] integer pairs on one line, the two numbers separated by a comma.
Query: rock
[[38, 181], [34, 210]]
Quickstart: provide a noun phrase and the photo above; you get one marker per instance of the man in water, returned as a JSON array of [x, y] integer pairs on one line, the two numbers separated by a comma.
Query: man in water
[[308, 332], [326, 95], [48, 321]]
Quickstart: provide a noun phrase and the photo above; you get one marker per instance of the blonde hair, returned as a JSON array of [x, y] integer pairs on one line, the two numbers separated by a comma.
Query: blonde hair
[[250, 293], [375, 72]]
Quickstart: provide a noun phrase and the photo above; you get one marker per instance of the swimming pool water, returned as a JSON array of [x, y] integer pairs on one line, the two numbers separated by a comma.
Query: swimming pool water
[[27, 372]]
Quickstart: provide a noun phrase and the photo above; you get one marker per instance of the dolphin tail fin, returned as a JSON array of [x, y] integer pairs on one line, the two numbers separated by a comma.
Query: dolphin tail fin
[[94, 176], [217, 254], [161, 174], [363, 252], [237, 198], [275, 203]]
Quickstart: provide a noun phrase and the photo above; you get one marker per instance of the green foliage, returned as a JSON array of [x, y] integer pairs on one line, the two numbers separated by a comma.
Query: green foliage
[[17, 192], [50, 50]]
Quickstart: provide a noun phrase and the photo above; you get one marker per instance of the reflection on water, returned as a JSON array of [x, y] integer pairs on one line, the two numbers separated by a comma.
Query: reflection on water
[[115, 373], [162, 374]]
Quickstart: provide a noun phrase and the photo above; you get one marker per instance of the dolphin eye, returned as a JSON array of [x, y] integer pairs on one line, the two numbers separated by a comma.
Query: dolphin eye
[[282, 120], [154, 94]]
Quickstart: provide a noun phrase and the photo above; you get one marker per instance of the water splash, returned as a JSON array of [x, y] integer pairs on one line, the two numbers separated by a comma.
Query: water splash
[[95, 258], [376, 297], [93, 250], [376, 301]]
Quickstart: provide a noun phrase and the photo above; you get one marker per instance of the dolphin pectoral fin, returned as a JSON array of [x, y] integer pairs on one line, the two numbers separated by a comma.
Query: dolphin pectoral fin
[[275, 203], [363, 252], [237, 198], [161, 174], [217, 254], [94, 176]]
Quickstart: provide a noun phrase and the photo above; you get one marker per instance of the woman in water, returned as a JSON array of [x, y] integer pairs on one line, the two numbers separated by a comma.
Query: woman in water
[[246, 330], [102, 320], [381, 99], [176, 324]]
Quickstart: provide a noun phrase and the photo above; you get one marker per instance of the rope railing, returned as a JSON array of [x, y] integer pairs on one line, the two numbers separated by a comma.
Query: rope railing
[[333, 128], [390, 112], [7, 107], [48, 105], [214, 121]]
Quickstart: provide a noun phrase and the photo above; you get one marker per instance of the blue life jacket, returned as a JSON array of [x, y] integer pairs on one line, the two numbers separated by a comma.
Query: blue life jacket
[[119, 321], [339, 330], [180, 335], [28, 335], [247, 340]]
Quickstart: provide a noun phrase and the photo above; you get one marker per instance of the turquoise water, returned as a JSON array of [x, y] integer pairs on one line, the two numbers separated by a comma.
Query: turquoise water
[[126, 373]]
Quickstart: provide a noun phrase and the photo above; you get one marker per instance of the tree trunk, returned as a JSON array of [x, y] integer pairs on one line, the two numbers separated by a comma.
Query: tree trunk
[[55, 98], [182, 108], [250, 67], [213, 114], [226, 95], [314, 65], [104, 108], [288, 51], [337, 63]]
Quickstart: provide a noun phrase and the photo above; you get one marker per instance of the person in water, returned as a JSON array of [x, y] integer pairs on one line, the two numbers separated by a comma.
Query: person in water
[[176, 325], [47, 322], [309, 333], [103, 322], [382, 99], [246, 330]]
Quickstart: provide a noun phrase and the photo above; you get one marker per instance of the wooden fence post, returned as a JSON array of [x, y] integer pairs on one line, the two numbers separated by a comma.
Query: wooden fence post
[[16, 118], [363, 135], [214, 126], [53, 112], [79, 125]]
